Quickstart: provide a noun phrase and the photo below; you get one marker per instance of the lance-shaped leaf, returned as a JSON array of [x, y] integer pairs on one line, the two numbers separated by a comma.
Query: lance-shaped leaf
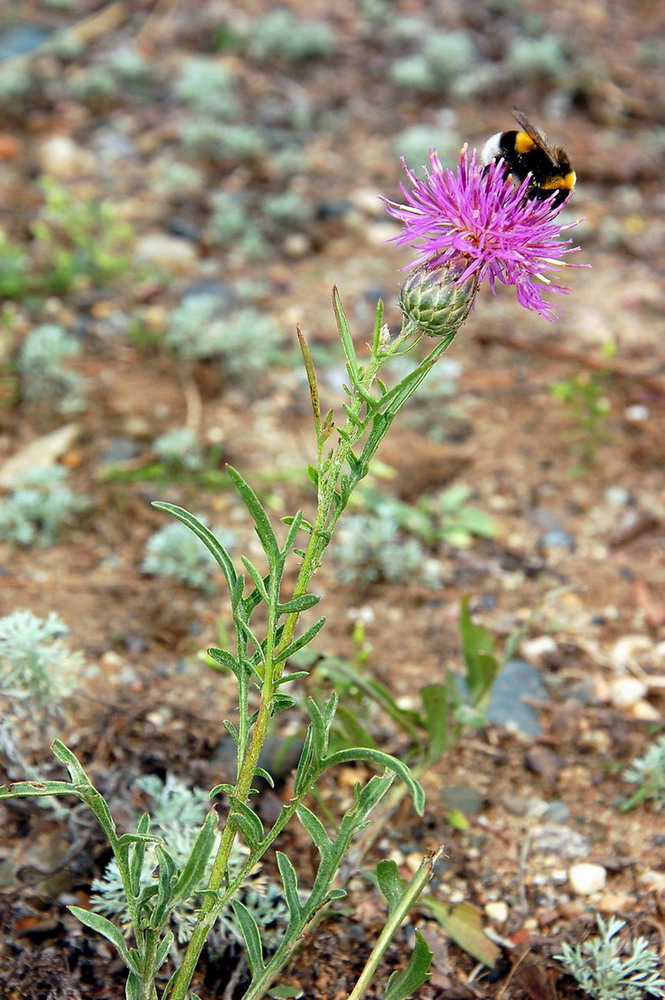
[[298, 604], [138, 854], [252, 936], [108, 930], [403, 984], [262, 523], [219, 553], [437, 701], [290, 883], [382, 759], [346, 338], [163, 950], [247, 822], [316, 830], [301, 641], [193, 872], [257, 579], [25, 789], [390, 882]]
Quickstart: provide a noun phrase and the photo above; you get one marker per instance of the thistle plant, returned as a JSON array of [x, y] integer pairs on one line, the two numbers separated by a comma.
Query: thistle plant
[[466, 225]]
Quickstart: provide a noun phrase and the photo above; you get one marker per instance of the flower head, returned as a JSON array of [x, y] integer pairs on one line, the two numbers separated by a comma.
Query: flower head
[[478, 222]]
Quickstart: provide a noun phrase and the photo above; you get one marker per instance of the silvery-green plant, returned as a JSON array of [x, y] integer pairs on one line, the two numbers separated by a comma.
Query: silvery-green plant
[[648, 772], [179, 448], [39, 505], [37, 673], [42, 365], [605, 974], [208, 87], [174, 551], [373, 548], [283, 38], [468, 225], [246, 341], [37, 668]]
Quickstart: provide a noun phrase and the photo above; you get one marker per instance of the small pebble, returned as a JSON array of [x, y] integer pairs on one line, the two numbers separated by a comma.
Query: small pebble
[[586, 878], [616, 902], [556, 812], [170, 252], [627, 691], [637, 413], [560, 841], [645, 711], [498, 912], [543, 761], [626, 650], [543, 647]]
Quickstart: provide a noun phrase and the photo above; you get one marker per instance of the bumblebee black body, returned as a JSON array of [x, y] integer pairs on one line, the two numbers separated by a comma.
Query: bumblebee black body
[[528, 153]]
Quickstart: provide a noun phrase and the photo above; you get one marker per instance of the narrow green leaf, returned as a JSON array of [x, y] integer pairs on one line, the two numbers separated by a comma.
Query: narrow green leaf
[[166, 872], [296, 523], [137, 838], [71, 762], [108, 930], [138, 854], [378, 328], [219, 553], [247, 822], [24, 789], [313, 474], [307, 769], [231, 729], [282, 702], [353, 417], [436, 702], [224, 658], [346, 338], [390, 882], [262, 524], [222, 789], [317, 831], [311, 381], [403, 984], [301, 641], [163, 950], [193, 872], [132, 987], [285, 993], [382, 760], [262, 773], [290, 883], [252, 936], [259, 651], [287, 678], [257, 579], [298, 604]]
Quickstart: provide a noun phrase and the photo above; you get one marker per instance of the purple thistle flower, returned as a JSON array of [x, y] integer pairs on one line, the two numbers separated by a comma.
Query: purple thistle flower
[[479, 223]]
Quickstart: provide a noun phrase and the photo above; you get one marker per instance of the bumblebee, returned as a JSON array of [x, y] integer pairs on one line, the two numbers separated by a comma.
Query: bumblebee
[[527, 153]]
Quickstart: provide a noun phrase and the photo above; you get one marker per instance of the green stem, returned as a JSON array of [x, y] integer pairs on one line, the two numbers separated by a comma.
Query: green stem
[[397, 915]]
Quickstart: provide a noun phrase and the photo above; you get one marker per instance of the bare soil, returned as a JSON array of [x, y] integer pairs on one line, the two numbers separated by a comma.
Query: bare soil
[[145, 702]]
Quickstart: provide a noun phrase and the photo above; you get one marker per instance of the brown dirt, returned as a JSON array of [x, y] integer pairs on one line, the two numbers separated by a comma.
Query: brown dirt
[[147, 704]]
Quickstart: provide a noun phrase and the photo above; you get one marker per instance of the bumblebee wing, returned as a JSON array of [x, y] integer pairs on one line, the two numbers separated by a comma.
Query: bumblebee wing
[[536, 135]]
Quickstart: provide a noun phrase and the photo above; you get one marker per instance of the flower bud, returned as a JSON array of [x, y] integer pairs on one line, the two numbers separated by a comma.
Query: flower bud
[[435, 302]]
